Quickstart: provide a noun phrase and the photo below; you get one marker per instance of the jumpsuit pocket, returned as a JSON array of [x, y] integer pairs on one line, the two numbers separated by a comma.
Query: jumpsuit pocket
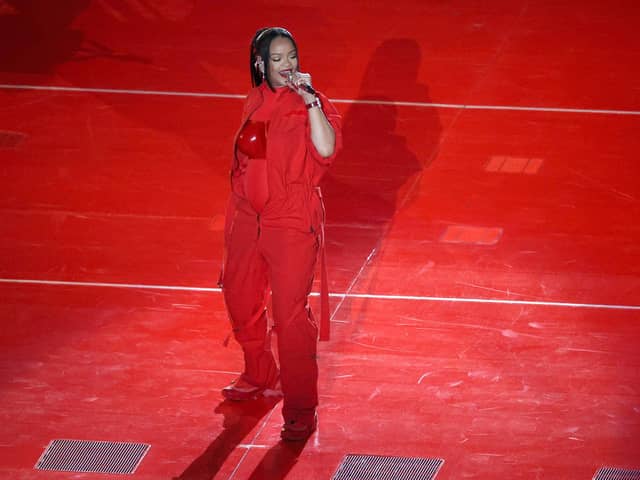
[[229, 222], [316, 209]]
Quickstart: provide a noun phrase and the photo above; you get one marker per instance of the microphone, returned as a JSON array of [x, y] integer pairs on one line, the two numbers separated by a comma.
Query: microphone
[[307, 88]]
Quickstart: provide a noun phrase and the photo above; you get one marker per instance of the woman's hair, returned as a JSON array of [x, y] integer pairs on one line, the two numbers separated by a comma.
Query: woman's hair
[[260, 46]]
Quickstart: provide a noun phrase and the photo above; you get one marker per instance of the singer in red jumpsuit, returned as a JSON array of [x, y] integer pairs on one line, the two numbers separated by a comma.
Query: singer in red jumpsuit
[[289, 136]]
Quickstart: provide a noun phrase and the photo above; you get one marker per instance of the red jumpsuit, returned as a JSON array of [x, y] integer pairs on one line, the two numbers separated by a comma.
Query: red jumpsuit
[[273, 234]]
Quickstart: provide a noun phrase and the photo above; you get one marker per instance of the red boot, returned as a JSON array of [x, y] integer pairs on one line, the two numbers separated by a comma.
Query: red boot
[[240, 390], [297, 431]]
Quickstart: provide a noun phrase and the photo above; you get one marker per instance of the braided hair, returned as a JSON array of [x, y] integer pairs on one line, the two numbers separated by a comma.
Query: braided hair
[[260, 46]]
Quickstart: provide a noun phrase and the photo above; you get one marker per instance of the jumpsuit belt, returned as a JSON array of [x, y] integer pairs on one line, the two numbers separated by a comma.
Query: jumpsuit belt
[[325, 320], [325, 325]]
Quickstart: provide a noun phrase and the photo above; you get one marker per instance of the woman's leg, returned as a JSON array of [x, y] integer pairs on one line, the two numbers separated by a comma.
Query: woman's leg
[[245, 288], [291, 256]]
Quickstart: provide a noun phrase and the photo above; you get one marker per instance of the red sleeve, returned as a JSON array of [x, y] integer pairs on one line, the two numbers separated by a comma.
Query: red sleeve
[[247, 106], [335, 120]]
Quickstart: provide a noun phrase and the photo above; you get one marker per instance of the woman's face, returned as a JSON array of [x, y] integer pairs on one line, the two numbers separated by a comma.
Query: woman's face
[[283, 59]]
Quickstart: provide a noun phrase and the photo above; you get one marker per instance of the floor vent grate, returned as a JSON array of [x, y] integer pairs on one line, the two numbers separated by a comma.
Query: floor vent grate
[[92, 456], [611, 473], [374, 467]]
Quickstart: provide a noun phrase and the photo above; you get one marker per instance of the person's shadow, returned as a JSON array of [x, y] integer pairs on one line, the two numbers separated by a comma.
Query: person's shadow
[[376, 172], [35, 37], [240, 418], [278, 461]]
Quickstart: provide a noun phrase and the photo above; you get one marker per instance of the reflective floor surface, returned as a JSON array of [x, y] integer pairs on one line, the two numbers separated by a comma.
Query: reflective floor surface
[[482, 238]]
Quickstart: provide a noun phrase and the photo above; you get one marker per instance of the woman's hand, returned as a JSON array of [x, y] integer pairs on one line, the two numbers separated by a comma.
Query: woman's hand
[[296, 82]]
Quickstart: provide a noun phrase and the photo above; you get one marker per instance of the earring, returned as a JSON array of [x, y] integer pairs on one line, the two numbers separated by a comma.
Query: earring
[[259, 65]]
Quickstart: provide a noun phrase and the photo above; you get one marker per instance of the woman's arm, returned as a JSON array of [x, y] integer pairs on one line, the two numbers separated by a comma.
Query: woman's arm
[[322, 134]]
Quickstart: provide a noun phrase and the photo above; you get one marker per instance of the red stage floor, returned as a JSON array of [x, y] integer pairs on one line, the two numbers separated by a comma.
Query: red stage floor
[[483, 235]]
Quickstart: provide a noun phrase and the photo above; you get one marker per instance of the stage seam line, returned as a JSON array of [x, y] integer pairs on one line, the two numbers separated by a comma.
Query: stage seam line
[[54, 88], [83, 214], [352, 284], [335, 100], [335, 295], [109, 285]]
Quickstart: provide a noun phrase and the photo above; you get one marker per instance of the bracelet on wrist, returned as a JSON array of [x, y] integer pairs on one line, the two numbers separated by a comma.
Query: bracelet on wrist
[[315, 103]]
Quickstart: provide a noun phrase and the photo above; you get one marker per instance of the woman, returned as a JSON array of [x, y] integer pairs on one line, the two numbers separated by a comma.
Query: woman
[[288, 137]]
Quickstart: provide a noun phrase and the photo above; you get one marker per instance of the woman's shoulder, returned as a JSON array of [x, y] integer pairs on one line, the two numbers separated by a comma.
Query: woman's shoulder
[[253, 97], [254, 92]]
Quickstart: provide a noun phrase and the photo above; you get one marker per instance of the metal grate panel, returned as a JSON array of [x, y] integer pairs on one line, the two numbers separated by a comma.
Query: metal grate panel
[[92, 456], [612, 473], [374, 467]]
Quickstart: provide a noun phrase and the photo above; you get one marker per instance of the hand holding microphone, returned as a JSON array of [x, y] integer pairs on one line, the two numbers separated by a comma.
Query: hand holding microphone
[[299, 81]]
